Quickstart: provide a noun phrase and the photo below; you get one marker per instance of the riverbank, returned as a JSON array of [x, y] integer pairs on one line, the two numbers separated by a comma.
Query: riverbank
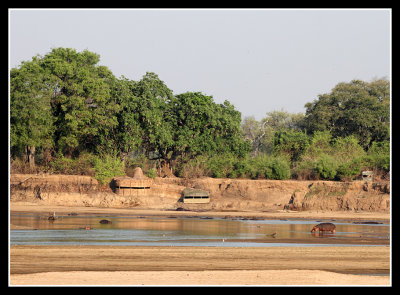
[[142, 265], [120, 265], [273, 214], [146, 265], [225, 194]]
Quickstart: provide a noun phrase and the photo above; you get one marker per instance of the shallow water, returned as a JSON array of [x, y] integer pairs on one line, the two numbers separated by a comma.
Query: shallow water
[[187, 231]]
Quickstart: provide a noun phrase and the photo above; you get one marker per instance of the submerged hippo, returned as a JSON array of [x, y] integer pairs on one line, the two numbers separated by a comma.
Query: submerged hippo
[[105, 221], [323, 227]]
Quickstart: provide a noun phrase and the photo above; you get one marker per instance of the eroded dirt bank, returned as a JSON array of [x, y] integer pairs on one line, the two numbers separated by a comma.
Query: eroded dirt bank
[[225, 194]]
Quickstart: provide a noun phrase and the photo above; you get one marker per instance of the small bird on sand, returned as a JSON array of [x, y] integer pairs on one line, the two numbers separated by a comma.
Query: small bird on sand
[[52, 217]]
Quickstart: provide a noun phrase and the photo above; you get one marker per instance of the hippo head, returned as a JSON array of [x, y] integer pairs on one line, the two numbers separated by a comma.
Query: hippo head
[[314, 229]]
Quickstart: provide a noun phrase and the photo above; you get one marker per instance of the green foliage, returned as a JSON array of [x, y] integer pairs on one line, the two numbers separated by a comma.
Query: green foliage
[[81, 101], [201, 126], [220, 166], [320, 143], [31, 119], [71, 111], [152, 173], [63, 165], [328, 158], [350, 169], [260, 135], [108, 167], [227, 165], [290, 143], [80, 165], [62, 101], [325, 167], [356, 108], [280, 169], [378, 156], [192, 168]]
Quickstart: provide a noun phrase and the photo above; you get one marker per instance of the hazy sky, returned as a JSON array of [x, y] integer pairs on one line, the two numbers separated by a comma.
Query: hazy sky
[[260, 60]]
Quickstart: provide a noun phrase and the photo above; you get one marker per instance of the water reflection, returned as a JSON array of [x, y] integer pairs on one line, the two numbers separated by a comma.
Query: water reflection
[[133, 230]]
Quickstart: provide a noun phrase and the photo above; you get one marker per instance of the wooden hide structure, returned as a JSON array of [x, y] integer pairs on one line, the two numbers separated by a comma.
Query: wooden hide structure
[[367, 175], [130, 185], [195, 196]]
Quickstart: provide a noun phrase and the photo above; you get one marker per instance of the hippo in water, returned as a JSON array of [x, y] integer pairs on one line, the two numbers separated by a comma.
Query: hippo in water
[[323, 227], [105, 221]]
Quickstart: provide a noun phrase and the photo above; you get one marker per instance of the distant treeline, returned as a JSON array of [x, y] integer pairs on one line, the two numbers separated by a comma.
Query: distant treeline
[[68, 114]]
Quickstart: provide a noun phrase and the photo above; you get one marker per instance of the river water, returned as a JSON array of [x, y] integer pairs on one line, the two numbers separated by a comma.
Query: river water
[[187, 231]]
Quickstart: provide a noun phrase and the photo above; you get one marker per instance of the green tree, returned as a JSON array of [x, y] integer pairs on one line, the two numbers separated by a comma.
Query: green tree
[[193, 118], [81, 102], [31, 119], [357, 108], [378, 156], [200, 126], [128, 133], [290, 143], [152, 97]]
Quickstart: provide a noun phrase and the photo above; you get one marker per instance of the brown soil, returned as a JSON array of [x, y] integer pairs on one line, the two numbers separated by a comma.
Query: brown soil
[[225, 194]]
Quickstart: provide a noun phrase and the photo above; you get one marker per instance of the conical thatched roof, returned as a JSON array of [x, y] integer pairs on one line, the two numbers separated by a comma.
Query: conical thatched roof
[[138, 173]]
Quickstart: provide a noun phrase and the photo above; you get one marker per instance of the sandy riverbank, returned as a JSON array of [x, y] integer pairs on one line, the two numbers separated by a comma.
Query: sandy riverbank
[[287, 214], [200, 278], [120, 265]]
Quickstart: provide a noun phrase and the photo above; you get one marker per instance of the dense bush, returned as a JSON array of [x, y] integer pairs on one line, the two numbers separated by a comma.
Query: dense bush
[[80, 165], [350, 169], [107, 167], [331, 158], [325, 167], [378, 155]]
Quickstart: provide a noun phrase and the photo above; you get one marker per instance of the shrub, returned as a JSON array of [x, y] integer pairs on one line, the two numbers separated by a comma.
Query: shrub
[[290, 143], [260, 167], [107, 167], [379, 155], [349, 170], [346, 149], [220, 165], [192, 168], [269, 167], [82, 165], [303, 170], [325, 167], [279, 169], [63, 165], [241, 168], [152, 173]]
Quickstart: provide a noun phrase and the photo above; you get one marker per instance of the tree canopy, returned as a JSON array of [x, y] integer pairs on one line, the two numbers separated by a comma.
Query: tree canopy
[[357, 108], [71, 111], [66, 102]]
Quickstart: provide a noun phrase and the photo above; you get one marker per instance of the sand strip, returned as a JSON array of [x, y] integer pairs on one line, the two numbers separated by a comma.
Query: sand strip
[[109, 265], [198, 278]]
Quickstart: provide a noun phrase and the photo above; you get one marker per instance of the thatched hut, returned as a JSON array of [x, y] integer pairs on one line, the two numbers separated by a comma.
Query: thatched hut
[[129, 185], [195, 196]]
